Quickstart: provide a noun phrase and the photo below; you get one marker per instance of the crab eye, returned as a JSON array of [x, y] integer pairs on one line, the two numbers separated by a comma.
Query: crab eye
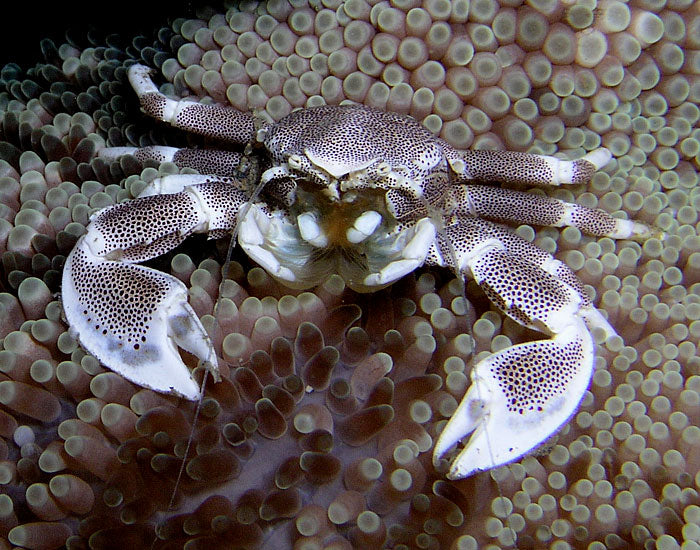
[[383, 169], [458, 165], [294, 162]]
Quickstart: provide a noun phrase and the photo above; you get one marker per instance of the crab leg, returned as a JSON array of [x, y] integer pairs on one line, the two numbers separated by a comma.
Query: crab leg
[[131, 317], [214, 121], [508, 205], [205, 161], [515, 167], [520, 395]]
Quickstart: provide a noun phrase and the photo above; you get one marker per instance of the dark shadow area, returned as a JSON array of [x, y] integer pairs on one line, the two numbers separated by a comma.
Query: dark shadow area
[[27, 23]]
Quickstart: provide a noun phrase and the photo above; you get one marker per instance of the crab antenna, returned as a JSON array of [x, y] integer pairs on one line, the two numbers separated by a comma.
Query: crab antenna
[[224, 271], [190, 439]]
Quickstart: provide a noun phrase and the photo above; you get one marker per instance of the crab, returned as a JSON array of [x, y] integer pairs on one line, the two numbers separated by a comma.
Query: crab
[[368, 195]]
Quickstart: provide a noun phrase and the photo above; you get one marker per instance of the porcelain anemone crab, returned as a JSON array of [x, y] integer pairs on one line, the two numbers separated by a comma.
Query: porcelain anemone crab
[[371, 196]]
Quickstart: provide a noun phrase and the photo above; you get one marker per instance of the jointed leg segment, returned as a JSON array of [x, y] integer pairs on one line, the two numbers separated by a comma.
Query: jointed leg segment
[[205, 161], [518, 398], [523, 393], [132, 317], [515, 167], [213, 121], [510, 206]]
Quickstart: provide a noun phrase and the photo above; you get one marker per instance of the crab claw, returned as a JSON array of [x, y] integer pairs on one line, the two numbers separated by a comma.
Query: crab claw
[[518, 398], [133, 318]]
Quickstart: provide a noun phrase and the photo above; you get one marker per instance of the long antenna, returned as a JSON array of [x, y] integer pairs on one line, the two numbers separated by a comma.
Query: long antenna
[[243, 172], [190, 438]]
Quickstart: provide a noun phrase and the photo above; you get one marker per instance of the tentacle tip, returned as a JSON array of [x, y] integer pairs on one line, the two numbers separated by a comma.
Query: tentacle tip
[[440, 463], [602, 334], [599, 157], [641, 232], [596, 322], [458, 166], [657, 233]]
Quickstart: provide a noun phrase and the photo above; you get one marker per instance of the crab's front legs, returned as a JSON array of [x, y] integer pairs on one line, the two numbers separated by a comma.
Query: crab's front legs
[[131, 317]]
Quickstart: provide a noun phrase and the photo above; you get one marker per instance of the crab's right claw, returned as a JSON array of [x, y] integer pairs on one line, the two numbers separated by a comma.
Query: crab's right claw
[[132, 318], [519, 397]]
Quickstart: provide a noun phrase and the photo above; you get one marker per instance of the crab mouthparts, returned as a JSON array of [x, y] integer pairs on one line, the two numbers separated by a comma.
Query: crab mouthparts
[[341, 221], [343, 229]]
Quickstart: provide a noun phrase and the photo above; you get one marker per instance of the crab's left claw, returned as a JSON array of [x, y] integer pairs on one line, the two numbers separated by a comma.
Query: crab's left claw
[[518, 398], [522, 394]]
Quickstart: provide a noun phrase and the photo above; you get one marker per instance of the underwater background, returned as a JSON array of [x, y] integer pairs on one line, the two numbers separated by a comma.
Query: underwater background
[[89, 460]]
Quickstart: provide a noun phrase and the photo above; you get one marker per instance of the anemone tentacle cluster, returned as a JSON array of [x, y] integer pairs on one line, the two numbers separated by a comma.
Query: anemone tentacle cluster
[[89, 460]]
